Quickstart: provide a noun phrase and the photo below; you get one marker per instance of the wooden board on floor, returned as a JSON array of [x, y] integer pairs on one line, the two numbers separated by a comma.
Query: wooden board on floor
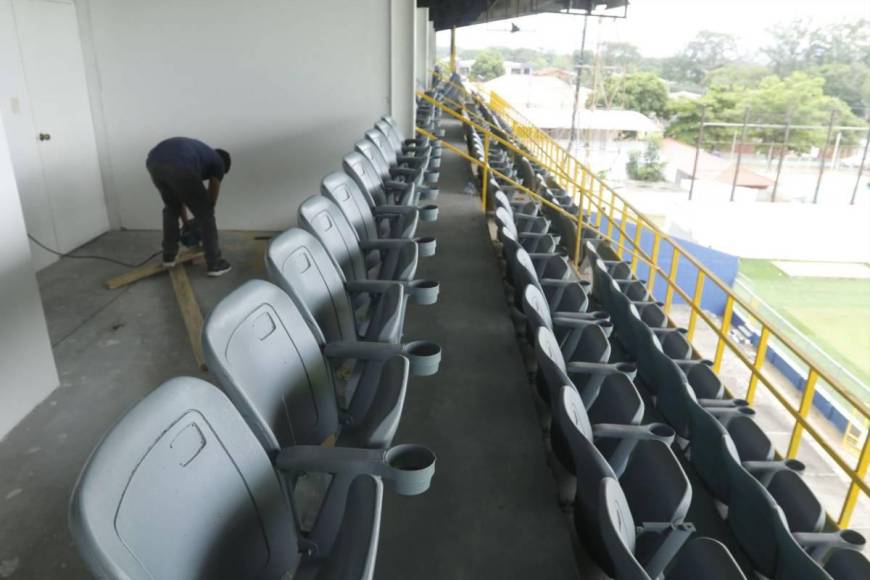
[[190, 311], [147, 270]]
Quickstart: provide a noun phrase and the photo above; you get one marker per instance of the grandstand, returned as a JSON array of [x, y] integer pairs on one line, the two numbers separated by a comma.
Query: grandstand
[[447, 348]]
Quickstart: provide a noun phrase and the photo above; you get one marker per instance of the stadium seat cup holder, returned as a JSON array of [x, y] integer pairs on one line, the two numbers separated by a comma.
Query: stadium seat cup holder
[[428, 213], [426, 246], [408, 468], [423, 292], [432, 177], [424, 357], [430, 193]]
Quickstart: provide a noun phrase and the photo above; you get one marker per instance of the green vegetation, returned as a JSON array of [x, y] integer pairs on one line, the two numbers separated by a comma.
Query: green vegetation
[[488, 65], [649, 167], [834, 313], [643, 92]]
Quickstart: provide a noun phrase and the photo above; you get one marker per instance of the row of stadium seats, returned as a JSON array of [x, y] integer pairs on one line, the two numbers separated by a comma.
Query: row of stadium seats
[[279, 472], [608, 359]]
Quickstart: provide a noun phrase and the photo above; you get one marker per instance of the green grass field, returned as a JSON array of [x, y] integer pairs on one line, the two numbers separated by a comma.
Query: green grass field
[[832, 312]]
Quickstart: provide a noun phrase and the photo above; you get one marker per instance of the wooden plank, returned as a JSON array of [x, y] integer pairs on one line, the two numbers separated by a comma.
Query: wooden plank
[[190, 311], [147, 270]]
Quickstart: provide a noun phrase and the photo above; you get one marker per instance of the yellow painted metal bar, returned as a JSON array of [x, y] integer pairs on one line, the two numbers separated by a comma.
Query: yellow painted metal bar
[[696, 305], [485, 186], [622, 217], [760, 354], [453, 50], [723, 332], [672, 281], [803, 411], [635, 243], [657, 240], [610, 214], [852, 495]]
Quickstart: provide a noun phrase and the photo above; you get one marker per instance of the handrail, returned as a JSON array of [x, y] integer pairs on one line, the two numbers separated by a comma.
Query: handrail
[[579, 180]]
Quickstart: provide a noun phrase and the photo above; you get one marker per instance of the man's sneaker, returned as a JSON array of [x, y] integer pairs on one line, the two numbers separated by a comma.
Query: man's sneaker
[[169, 260], [219, 269]]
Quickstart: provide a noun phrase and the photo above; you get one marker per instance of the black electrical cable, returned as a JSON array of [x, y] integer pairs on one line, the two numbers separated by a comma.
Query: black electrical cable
[[90, 257]]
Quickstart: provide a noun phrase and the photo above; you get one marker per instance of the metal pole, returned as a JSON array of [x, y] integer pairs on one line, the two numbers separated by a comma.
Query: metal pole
[[573, 136], [453, 50], [860, 169], [739, 153], [698, 150], [781, 157], [835, 158], [824, 153]]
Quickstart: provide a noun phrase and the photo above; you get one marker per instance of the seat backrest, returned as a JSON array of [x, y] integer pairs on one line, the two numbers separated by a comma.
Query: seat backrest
[[382, 142], [366, 177], [536, 308], [339, 187], [753, 517], [712, 450], [298, 263], [845, 564], [180, 488], [618, 530], [705, 382], [792, 562], [269, 363], [322, 218], [550, 361], [391, 132], [750, 440], [374, 155], [802, 509]]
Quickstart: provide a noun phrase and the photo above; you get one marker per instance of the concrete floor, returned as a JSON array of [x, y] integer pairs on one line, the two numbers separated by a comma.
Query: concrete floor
[[112, 348], [491, 511]]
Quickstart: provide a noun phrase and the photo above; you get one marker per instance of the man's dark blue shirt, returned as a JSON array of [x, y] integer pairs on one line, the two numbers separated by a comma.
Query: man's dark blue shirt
[[187, 153]]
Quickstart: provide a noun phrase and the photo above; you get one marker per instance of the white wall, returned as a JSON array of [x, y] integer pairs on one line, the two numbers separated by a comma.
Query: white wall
[[402, 47], [421, 51], [17, 116], [286, 86], [27, 370]]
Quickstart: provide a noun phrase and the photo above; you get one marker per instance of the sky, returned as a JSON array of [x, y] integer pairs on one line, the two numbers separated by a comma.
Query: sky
[[658, 27]]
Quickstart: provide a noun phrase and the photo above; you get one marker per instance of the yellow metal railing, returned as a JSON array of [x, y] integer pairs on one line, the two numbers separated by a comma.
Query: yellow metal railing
[[598, 200]]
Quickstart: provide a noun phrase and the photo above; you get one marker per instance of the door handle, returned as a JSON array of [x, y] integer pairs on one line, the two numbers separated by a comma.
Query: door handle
[[45, 137]]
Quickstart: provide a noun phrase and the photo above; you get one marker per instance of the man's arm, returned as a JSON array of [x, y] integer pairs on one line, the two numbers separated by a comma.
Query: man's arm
[[214, 189]]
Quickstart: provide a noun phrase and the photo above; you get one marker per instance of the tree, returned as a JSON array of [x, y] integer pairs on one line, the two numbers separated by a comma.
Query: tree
[[706, 52], [849, 83], [488, 65], [646, 168], [738, 74], [642, 92], [800, 45]]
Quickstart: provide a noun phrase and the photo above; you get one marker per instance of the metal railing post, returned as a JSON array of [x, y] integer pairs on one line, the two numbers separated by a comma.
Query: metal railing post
[[760, 354], [696, 304], [860, 169], [723, 330], [672, 280], [852, 495], [823, 155], [485, 185], [739, 153], [803, 411], [698, 151], [781, 158], [654, 261]]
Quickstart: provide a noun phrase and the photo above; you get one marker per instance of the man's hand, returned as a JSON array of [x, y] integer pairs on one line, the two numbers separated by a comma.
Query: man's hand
[[214, 189]]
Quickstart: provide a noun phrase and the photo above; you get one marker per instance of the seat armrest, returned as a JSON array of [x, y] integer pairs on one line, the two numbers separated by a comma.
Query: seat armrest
[[764, 471], [588, 368], [387, 210], [819, 544], [362, 350], [397, 185], [372, 286], [409, 468], [386, 244], [629, 435], [397, 171], [676, 536]]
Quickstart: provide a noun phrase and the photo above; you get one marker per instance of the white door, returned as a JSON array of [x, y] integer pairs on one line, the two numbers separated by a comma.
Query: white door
[[51, 52]]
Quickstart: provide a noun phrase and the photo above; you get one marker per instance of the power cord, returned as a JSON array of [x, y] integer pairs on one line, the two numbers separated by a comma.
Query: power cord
[[90, 257]]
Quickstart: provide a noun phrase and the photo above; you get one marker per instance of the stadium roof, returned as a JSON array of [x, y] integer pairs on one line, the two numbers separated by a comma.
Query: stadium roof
[[446, 14]]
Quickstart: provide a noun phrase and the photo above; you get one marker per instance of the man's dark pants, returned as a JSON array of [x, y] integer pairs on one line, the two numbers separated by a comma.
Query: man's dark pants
[[179, 186]]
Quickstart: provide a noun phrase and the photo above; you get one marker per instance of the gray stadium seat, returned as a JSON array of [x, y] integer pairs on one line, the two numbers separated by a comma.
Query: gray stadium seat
[[397, 258], [270, 364], [181, 488]]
